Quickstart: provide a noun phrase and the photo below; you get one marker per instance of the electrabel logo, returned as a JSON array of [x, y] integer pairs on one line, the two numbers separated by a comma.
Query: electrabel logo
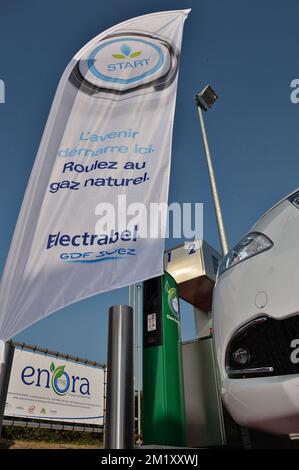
[[56, 379], [122, 63], [81, 241]]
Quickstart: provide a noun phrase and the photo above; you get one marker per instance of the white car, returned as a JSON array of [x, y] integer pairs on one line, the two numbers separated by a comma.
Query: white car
[[256, 323]]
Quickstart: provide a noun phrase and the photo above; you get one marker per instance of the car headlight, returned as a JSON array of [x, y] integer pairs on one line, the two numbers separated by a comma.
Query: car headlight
[[251, 245]]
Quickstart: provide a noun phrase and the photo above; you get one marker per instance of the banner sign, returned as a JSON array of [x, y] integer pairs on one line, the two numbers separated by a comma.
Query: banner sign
[[106, 148], [54, 389]]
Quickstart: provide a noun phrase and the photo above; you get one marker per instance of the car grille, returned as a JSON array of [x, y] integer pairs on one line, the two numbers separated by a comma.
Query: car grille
[[268, 342]]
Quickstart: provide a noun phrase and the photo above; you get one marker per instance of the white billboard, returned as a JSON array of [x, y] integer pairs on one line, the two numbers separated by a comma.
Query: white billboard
[[44, 387]]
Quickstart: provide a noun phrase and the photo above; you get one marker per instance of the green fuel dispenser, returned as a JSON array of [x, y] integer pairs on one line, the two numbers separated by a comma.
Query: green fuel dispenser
[[163, 389]]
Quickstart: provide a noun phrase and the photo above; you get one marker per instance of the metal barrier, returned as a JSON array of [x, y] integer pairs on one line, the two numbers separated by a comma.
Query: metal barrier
[[68, 357], [50, 425]]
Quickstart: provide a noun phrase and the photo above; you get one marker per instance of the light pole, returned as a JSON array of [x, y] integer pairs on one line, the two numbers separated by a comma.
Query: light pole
[[205, 100]]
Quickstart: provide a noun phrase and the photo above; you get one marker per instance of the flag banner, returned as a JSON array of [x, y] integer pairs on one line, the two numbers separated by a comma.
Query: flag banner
[[105, 152]]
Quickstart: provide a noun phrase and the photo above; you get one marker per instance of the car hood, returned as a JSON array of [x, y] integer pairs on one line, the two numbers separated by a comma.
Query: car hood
[[275, 205]]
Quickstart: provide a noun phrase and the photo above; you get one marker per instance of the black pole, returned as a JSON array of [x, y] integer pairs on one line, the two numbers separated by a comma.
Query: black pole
[[6, 358]]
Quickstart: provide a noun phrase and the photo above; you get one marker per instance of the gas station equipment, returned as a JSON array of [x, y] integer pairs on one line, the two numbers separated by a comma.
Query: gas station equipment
[[163, 389], [194, 267]]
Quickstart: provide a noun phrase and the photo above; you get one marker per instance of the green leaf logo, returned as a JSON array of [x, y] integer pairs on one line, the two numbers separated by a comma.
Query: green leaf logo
[[52, 367], [135, 54], [59, 372], [126, 52], [118, 56], [172, 293]]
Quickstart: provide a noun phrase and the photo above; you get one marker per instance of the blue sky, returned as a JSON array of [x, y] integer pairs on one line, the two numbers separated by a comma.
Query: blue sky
[[246, 49]]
